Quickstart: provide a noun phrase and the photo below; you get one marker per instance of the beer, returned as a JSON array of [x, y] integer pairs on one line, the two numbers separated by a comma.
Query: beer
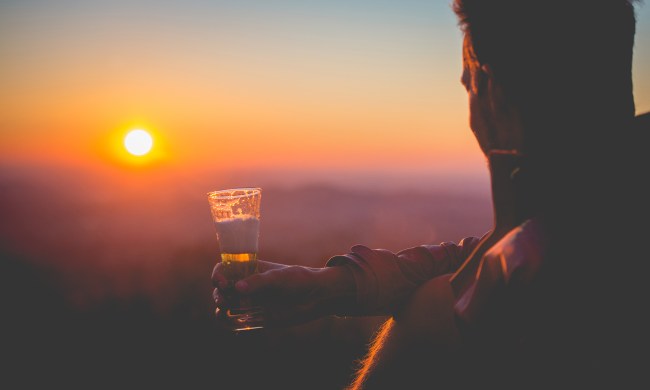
[[238, 240], [237, 266]]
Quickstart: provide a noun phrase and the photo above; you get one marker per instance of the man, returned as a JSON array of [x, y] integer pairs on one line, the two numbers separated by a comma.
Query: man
[[551, 292]]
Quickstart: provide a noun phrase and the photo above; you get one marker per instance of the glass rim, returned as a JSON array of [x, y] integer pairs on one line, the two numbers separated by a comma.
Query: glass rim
[[227, 193]]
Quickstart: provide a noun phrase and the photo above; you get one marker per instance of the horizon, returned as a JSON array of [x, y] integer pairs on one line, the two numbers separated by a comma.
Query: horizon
[[289, 85]]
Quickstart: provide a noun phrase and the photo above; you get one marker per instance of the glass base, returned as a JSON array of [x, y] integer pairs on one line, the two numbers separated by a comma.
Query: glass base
[[245, 319]]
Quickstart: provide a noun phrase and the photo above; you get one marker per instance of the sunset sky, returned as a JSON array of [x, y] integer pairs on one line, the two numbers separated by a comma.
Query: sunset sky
[[280, 84], [349, 114]]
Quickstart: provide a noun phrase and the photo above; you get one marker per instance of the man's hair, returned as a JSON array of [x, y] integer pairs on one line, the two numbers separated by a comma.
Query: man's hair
[[566, 66], [556, 58]]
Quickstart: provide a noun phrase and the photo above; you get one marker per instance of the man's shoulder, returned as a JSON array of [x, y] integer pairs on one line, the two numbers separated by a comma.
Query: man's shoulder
[[520, 253]]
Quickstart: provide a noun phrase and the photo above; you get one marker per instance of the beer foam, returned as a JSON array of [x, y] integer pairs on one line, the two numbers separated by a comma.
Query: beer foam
[[238, 235]]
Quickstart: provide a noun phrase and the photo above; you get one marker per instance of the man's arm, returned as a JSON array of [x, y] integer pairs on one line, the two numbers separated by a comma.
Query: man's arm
[[385, 279]]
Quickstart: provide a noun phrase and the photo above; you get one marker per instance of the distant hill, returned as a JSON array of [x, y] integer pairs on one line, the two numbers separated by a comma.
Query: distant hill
[[75, 217], [114, 270]]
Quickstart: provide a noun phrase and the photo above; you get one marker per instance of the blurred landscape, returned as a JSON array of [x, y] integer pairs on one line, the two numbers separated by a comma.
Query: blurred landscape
[[106, 275]]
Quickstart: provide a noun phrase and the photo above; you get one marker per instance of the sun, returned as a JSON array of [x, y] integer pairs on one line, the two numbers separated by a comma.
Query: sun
[[138, 142]]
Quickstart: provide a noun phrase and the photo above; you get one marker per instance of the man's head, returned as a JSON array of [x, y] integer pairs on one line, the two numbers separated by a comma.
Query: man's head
[[561, 65]]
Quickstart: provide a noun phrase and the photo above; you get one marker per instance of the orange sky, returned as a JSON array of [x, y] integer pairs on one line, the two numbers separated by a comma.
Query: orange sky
[[322, 85]]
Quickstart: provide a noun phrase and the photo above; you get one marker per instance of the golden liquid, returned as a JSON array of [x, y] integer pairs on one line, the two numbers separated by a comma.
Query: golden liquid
[[238, 265]]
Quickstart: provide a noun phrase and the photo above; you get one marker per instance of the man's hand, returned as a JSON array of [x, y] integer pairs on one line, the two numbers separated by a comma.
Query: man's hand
[[290, 294]]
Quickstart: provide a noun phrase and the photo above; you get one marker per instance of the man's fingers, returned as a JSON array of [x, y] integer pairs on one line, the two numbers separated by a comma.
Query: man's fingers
[[271, 279], [222, 300], [290, 279], [218, 279]]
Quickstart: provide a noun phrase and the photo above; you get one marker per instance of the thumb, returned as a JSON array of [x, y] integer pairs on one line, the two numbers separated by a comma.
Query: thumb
[[286, 280], [259, 282]]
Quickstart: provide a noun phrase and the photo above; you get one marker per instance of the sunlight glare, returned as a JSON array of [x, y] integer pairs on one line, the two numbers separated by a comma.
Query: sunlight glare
[[138, 142]]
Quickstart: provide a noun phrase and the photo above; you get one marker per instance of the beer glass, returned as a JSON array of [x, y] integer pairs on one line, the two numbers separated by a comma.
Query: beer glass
[[236, 216]]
